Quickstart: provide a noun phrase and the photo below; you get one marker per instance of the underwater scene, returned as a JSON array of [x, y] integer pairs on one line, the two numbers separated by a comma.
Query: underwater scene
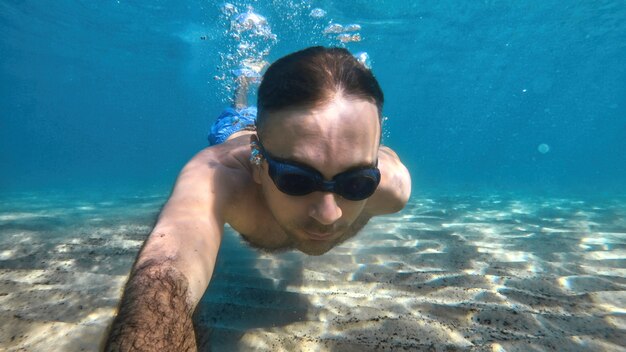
[[509, 115]]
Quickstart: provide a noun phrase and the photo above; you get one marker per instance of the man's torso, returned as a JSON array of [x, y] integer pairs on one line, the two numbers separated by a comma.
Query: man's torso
[[244, 207]]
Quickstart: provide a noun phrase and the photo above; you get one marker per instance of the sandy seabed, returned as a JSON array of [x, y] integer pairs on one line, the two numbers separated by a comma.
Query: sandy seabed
[[454, 273]]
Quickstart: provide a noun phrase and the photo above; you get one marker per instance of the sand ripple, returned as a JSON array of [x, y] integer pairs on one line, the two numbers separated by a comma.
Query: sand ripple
[[455, 273]]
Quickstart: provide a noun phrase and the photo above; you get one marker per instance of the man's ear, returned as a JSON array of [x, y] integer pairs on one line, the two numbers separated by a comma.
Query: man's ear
[[256, 159]]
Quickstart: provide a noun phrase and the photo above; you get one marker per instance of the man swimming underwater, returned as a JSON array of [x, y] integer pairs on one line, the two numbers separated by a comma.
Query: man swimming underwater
[[310, 177]]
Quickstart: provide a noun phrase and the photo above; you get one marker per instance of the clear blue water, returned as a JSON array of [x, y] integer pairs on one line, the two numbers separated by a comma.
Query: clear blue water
[[510, 115], [119, 95]]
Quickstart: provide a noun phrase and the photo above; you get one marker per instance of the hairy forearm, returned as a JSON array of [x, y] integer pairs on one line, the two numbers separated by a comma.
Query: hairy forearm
[[155, 312]]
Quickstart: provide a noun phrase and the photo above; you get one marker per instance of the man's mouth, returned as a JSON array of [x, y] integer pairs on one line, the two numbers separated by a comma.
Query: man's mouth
[[319, 236]]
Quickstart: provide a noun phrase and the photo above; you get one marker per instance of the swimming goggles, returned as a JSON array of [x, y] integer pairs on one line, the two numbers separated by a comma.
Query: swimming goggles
[[295, 179]]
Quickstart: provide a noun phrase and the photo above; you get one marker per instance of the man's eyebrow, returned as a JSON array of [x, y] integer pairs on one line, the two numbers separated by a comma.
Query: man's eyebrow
[[294, 161]]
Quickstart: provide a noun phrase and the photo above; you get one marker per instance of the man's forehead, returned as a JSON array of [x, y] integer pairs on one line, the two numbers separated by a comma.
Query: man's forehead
[[343, 134], [341, 117]]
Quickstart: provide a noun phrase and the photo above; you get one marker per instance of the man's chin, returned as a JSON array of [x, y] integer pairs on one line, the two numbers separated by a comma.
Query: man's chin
[[314, 248]]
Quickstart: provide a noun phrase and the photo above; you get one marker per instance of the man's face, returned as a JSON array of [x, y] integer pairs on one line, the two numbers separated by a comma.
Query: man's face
[[332, 138]]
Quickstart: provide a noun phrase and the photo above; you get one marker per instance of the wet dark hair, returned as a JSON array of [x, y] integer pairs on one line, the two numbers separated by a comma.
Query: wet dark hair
[[312, 77]]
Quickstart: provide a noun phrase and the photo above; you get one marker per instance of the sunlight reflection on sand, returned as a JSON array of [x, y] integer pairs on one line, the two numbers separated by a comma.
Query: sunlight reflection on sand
[[497, 273]]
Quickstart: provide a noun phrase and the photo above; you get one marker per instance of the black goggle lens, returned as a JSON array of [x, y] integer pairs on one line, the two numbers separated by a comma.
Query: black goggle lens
[[352, 187], [295, 184], [296, 180], [358, 187]]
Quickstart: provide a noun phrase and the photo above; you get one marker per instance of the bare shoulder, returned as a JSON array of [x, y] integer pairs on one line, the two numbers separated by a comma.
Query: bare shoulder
[[394, 189], [211, 181]]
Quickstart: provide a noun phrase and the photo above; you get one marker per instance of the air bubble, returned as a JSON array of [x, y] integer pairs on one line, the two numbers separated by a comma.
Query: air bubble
[[317, 13], [347, 38], [250, 39], [345, 34], [333, 28], [228, 9], [364, 58], [250, 21], [352, 28], [543, 148]]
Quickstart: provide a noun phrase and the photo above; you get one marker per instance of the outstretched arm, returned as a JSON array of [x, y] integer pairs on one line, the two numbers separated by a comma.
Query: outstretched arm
[[172, 270], [155, 312]]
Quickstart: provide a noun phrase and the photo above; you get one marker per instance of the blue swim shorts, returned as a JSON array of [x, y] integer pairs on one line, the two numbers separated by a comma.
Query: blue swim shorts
[[230, 121]]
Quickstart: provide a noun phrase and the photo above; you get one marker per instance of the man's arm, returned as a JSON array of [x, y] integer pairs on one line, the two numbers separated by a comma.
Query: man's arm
[[155, 312], [173, 269], [394, 189]]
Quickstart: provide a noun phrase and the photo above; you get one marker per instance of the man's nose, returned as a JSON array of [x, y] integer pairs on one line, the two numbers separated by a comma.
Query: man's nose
[[325, 209]]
